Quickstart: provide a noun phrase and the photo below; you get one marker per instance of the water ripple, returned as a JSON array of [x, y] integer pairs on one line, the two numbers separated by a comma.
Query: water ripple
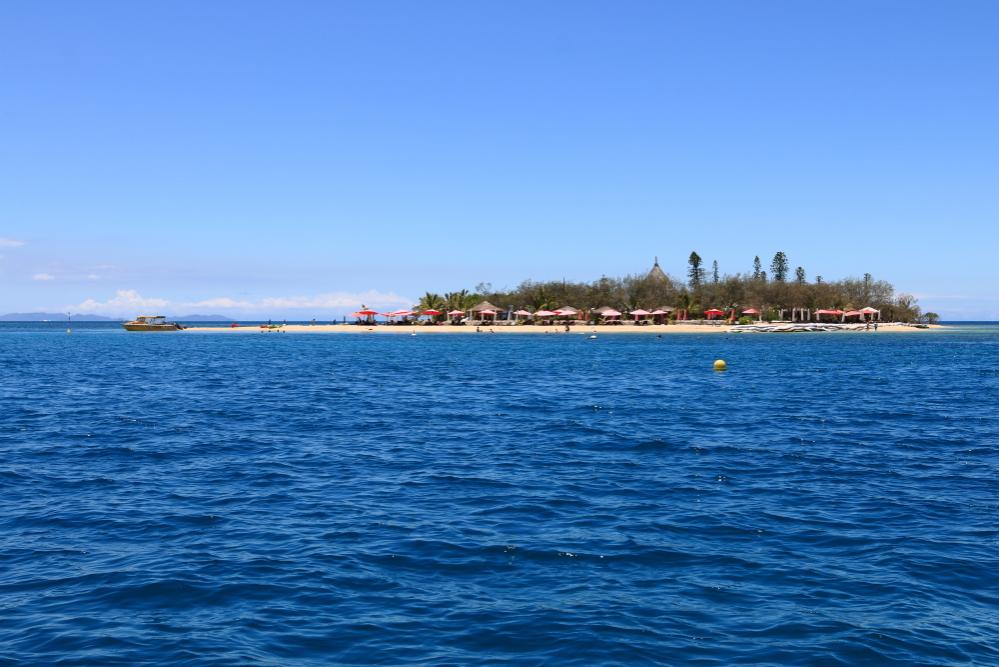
[[233, 500]]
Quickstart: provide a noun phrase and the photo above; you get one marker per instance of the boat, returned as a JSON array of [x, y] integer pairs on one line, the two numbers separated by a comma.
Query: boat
[[151, 323]]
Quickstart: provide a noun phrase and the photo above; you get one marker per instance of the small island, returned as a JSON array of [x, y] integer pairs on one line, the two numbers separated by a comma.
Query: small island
[[780, 301]]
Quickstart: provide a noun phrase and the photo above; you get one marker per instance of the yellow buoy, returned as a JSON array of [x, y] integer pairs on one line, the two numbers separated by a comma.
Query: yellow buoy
[[720, 365]]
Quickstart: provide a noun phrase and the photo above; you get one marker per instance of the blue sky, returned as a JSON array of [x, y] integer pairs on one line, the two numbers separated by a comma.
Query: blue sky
[[295, 159]]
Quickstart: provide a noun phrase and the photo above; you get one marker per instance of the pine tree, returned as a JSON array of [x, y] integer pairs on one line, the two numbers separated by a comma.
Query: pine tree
[[779, 266], [799, 275], [757, 268], [695, 272], [714, 272]]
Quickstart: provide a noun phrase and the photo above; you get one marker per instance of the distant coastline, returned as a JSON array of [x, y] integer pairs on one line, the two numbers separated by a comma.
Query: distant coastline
[[90, 317]]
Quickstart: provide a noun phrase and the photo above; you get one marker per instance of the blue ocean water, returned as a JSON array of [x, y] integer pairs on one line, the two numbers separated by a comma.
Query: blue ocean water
[[353, 499]]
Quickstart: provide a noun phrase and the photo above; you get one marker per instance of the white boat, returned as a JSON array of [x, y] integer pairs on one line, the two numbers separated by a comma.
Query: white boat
[[151, 323]]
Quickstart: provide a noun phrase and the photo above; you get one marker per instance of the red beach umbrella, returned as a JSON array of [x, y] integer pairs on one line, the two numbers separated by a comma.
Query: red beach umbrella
[[431, 312]]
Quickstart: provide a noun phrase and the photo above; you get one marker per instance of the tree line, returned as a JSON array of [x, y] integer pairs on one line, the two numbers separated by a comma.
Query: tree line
[[773, 291]]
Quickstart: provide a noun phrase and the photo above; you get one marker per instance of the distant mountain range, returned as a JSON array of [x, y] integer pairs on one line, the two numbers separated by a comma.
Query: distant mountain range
[[52, 317], [84, 317]]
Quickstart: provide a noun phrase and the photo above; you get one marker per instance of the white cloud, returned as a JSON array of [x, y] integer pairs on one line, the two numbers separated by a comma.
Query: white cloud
[[43, 276], [130, 302], [337, 300], [332, 300], [93, 276], [10, 243], [124, 302], [222, 302]]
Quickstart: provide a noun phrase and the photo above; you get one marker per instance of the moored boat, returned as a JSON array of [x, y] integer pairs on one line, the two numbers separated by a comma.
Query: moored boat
[[151, 323]]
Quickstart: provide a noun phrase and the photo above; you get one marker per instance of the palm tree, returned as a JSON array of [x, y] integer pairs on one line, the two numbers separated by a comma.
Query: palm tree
[[456, 300], [431, 301]]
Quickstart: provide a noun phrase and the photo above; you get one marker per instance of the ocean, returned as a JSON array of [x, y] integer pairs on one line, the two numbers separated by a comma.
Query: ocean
[[830, 499]]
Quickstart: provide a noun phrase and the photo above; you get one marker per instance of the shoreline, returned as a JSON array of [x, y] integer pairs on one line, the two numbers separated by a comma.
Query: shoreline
[[448, 329]]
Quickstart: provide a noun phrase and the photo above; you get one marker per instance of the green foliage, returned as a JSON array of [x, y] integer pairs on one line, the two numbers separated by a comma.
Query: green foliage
[[799, 275], [757, 268], [695, 274], [745, 319], [778, 267], [643, 291]]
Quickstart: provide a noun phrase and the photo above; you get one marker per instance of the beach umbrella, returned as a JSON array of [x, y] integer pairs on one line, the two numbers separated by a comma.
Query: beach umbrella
[[431, 312], [566, 311], [455, 313], [610, 312], [750, 311], [835, 312], [522, 313], [366, 312], [545, 313]]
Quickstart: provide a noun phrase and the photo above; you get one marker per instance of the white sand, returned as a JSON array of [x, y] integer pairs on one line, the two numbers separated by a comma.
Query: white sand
[[684, 328]]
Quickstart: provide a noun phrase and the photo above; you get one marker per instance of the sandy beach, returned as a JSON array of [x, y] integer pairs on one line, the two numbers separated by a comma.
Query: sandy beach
[[447, 329]]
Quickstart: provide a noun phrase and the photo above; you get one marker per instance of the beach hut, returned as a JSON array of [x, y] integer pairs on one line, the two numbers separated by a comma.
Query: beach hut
[[871, 314], [833, 313], [544, 314], [712, 313], [608, 315], [480, 308], [852, 313], [640, 313], [659, 315]]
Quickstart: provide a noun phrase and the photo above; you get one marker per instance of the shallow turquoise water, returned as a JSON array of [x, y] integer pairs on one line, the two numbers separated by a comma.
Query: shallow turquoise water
[[283, 499]]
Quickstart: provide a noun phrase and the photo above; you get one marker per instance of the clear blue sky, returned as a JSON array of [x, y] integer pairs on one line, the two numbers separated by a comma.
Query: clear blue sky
[[290, 159]]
